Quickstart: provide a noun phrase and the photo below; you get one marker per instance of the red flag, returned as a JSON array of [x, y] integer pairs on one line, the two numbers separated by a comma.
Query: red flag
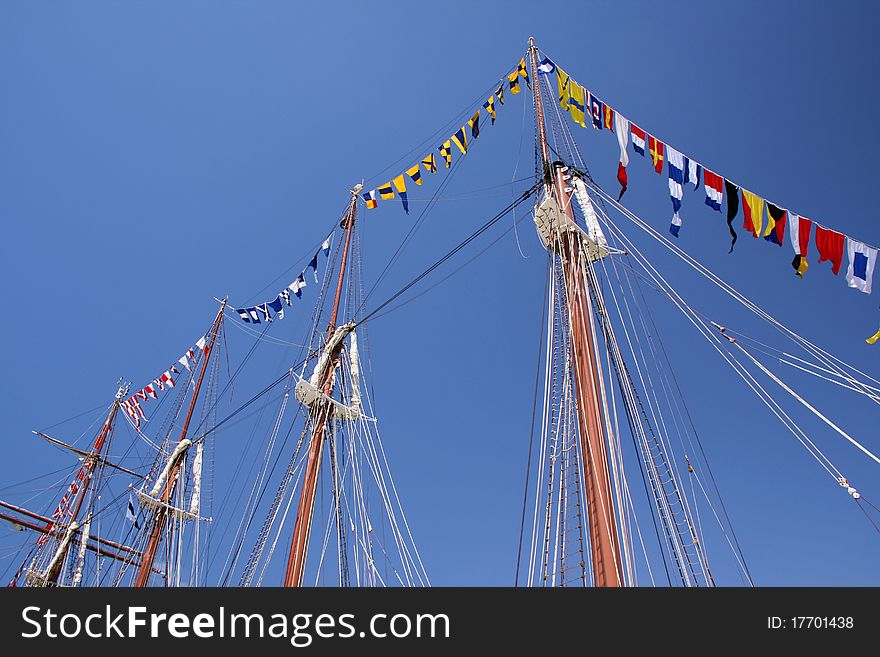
[[656, 148], [830, 245], [621, 178]]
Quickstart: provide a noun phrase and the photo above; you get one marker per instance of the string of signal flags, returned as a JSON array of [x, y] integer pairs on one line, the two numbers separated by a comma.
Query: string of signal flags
[[588, 110], [132, 405], [462, 139]]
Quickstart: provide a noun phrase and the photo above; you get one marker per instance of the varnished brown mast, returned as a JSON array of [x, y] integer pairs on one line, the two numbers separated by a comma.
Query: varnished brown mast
[[299, 543], [90, 463], [160, 517], [604, 542]]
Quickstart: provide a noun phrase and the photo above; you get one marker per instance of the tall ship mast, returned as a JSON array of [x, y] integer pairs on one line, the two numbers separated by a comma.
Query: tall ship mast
[[319, 397], [575, 249], [142, 513], [63, 538], [161, 498]]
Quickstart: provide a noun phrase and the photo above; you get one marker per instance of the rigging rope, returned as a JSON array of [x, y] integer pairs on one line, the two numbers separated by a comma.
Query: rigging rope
[[449, 254], [716, 342], [532, 424]]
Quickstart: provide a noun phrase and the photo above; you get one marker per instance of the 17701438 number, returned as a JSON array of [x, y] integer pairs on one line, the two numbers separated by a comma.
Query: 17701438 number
[[810, 622]]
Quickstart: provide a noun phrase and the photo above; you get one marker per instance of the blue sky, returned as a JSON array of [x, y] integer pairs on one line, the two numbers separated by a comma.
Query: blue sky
[[156, 156]]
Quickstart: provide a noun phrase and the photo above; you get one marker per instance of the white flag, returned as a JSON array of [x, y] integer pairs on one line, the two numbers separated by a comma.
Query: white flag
[[861, 265], [621, 127]]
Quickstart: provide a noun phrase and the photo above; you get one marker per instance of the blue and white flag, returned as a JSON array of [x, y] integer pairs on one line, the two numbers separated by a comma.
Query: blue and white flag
[[692, 172], [130, 514], [277, 307], [261, 313], [862, 259], [676, 180], [297, 286], [546, 66], [597, 111]]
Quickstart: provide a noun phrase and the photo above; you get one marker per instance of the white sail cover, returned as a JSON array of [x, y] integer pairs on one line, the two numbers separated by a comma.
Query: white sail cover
[[195, 500], [332, 343], [594, 231], [354, 358], [181, 447], [81, 554]]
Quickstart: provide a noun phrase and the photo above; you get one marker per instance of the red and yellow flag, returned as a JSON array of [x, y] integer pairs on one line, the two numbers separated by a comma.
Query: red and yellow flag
[[609, 117], [753, 211], [657, 149]]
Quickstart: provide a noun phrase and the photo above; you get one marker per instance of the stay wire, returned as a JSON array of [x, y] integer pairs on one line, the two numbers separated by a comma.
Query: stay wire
[[411, 232], [522, 525], [428, 289], [238, 410], [482, 229]]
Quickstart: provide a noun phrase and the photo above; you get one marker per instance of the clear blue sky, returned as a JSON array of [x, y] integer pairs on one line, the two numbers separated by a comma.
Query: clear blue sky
[[153, 156]]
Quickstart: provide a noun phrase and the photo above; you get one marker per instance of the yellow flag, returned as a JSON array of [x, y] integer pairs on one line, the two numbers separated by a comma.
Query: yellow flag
[[523, 71], [399, 184], [474, 124], [413, 172], [873, 338], [446, 152], [562, 80], [513, 79], [489, 106], [385, 191], [460, 140], [576, 103]]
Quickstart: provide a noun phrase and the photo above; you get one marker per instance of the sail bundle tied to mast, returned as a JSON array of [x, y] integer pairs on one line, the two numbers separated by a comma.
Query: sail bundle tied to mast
[[551, 221], [152, 500]]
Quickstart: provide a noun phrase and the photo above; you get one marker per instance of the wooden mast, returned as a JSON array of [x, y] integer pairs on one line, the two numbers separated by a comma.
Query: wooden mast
[[604, 542], [299, 543], [160, 517], [91, 462]]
